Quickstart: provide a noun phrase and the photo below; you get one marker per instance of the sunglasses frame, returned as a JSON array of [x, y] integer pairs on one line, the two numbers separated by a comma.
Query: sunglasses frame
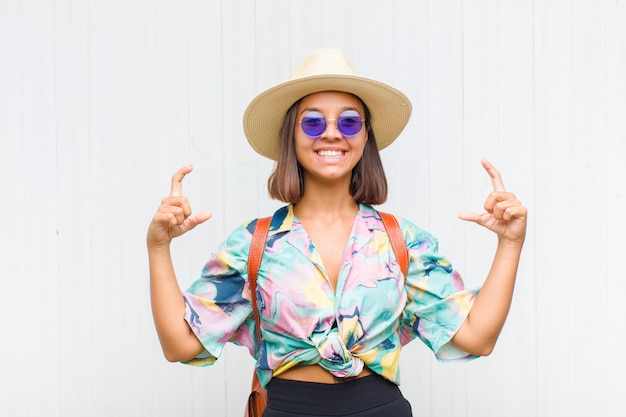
[[336, 120]]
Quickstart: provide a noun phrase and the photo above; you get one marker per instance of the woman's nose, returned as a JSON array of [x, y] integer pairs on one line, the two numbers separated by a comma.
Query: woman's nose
[[331, 131]]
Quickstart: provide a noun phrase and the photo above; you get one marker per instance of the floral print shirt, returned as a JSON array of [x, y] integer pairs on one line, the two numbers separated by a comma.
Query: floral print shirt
[[364, 321]]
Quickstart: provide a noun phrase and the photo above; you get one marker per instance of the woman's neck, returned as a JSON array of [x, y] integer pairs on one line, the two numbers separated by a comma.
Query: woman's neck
[[323, 203]]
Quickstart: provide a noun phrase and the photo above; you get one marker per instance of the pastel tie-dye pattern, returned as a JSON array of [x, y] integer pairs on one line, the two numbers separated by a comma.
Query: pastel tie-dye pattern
[[365, 322]]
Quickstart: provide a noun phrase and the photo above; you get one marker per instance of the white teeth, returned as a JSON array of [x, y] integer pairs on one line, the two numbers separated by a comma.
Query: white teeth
[[330, 154]]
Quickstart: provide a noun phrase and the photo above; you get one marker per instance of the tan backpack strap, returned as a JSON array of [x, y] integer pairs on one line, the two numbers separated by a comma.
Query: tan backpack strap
[[397, 241], [257, 247]]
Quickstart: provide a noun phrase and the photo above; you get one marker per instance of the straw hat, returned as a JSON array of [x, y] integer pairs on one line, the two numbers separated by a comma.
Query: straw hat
[[324, 70]]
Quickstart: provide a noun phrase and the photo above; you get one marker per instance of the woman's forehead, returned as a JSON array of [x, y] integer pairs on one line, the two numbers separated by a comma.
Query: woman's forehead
[[331, 100]]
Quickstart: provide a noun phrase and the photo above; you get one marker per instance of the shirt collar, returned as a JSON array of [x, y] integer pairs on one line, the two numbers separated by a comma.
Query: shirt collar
[[284, 217]]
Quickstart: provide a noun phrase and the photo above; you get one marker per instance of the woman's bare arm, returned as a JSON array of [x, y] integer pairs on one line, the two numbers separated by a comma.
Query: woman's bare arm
[[173, 218]]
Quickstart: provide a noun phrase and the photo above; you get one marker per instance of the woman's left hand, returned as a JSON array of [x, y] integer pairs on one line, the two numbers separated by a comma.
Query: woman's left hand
[[504, 214]]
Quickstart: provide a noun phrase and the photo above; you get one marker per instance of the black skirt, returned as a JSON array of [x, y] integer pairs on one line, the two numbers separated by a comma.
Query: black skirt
[[370, 396]]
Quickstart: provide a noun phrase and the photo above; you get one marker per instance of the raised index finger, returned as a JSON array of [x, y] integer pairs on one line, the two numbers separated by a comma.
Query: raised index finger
[[496, 179], [177, 180]]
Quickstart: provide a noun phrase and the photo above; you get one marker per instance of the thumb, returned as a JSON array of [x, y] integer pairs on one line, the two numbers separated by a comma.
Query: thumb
[[198, 218], [470, 216]]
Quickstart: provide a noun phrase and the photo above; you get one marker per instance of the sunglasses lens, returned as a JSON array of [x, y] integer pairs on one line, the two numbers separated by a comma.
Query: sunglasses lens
[[349, 123], [313, 125]]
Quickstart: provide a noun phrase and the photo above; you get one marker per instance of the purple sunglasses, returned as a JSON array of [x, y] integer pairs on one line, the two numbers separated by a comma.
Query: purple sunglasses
[[349, 123]]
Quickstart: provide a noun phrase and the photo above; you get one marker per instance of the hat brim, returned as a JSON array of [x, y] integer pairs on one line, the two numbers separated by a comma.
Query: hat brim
[[390, 109]]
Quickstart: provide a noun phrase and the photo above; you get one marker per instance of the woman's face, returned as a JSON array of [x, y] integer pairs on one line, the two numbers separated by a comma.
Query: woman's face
[[331, 154]]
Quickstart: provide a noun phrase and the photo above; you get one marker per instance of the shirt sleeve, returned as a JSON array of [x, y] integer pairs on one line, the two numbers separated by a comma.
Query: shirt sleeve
[[217, 304], [437, 301]]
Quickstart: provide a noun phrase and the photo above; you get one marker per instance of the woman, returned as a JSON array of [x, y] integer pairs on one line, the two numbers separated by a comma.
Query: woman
[[334, 303]]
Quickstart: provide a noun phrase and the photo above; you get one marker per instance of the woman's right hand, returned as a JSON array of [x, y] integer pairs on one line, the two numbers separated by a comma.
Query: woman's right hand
[[173, 218]]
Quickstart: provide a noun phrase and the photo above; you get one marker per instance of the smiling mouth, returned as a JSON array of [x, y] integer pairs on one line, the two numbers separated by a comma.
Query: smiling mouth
[[330, 154]]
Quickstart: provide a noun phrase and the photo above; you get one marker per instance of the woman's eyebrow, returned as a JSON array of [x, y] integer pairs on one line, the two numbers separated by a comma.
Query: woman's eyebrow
[[344, 108], [310, 109]]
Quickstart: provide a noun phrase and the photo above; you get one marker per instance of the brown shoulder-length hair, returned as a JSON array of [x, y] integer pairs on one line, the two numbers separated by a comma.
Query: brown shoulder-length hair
[[286, 183]]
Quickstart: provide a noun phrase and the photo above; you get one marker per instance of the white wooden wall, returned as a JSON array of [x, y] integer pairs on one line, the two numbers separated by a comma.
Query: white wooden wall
[[101, 101]]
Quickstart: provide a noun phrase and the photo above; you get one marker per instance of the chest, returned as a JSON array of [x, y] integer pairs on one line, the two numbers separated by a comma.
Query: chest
[[325, 265], [330, 243]]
